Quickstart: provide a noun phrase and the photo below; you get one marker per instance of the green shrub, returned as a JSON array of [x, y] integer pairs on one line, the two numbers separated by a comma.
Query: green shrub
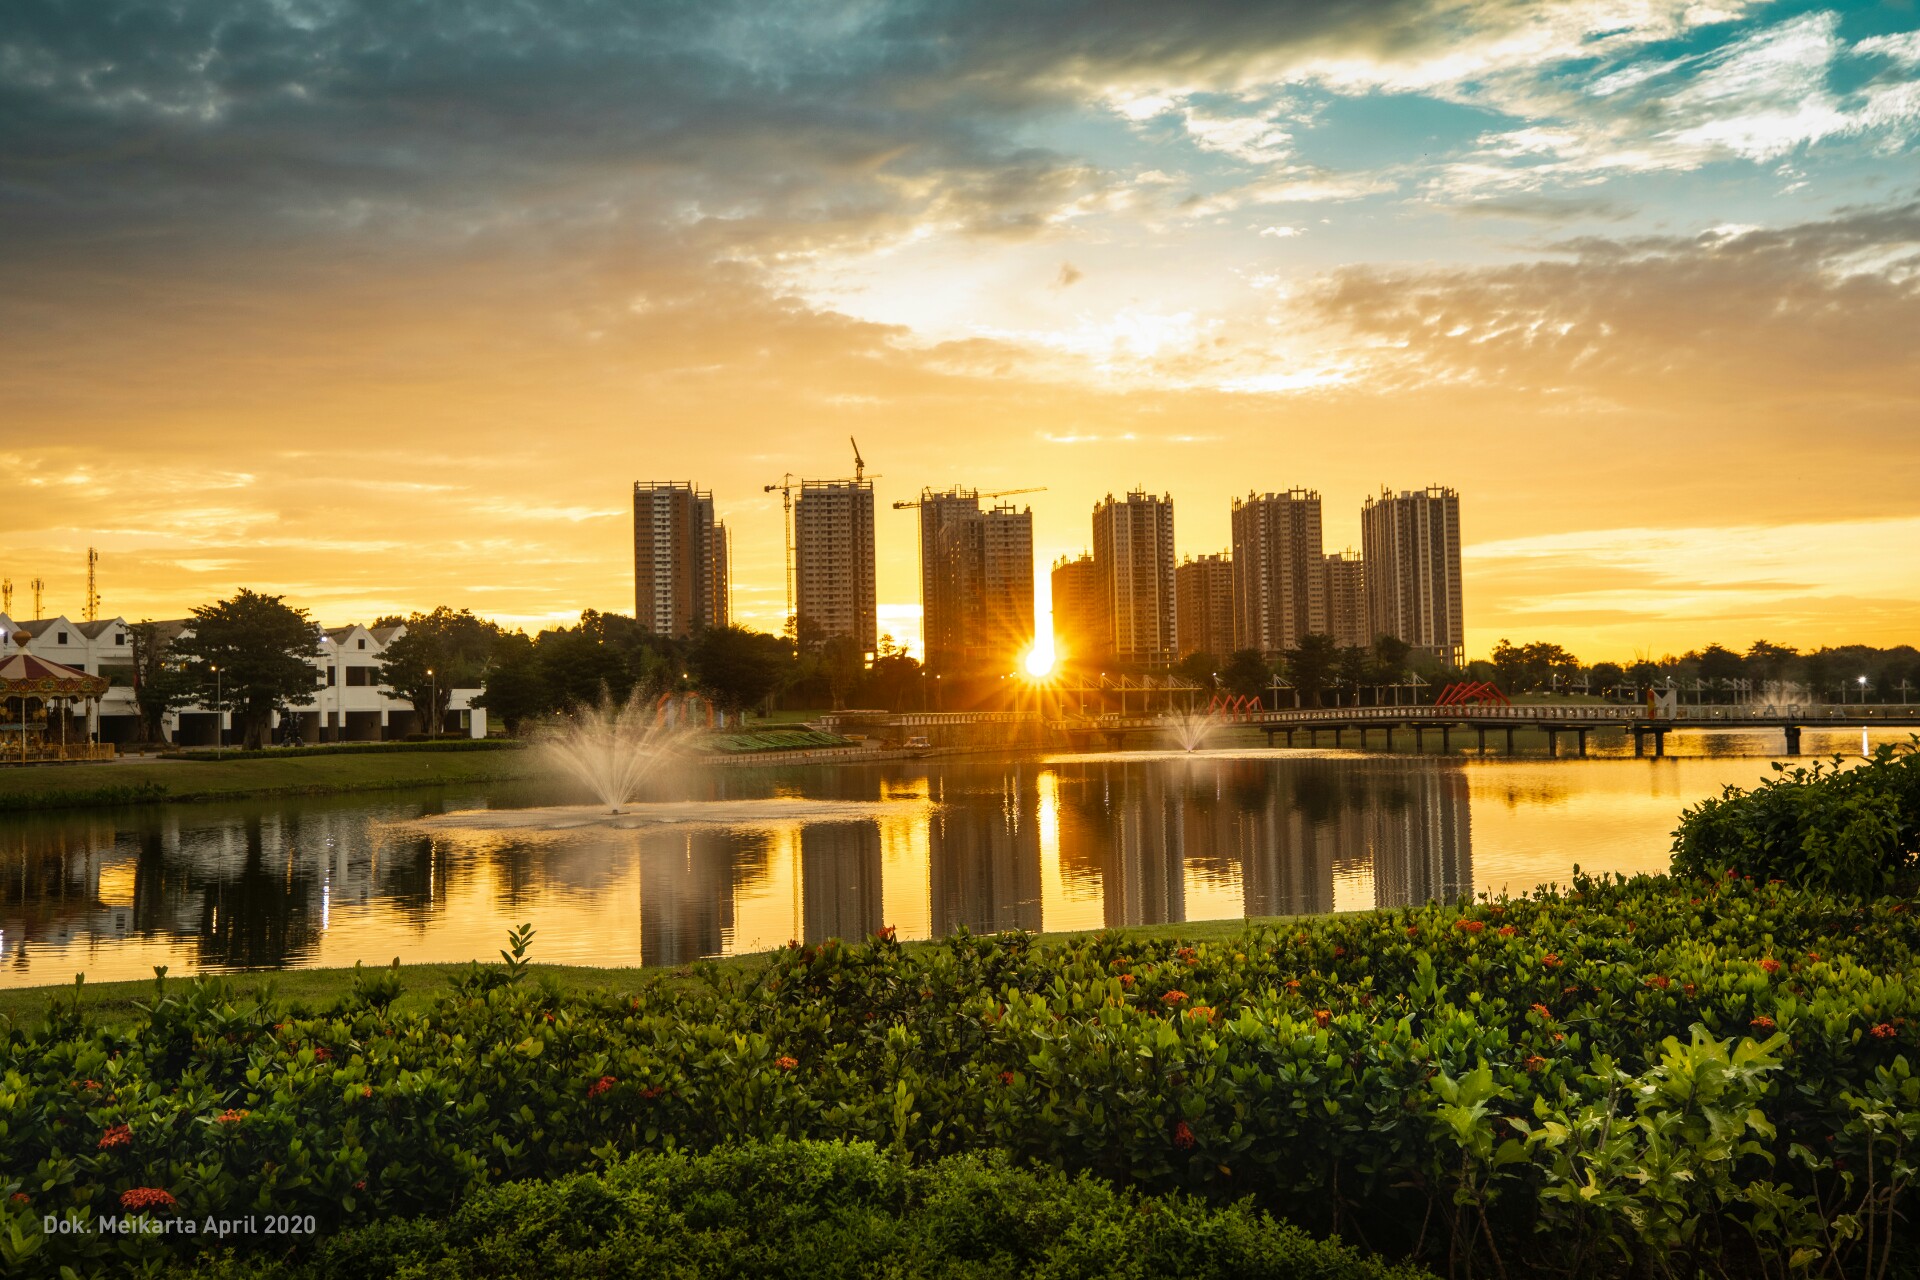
[[1844, 830], [1617, 1079], [823, 1209], [84, 797]]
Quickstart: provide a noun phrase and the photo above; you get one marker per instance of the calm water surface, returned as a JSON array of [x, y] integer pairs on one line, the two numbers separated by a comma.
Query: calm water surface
[[1046, 843]]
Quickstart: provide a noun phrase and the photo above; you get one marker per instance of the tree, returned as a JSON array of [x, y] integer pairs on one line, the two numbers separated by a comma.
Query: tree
[[515, 691], [253, 655], [895, 678], [1352, 668], [842, 661], [1246, 674], [1390, 658], [1605, 677], [1312, 666], [739, 668], [159, 682], [440, 651], [1199, 667]]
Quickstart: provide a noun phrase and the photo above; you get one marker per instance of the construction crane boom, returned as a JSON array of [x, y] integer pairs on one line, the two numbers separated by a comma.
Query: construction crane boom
[[992, 493]]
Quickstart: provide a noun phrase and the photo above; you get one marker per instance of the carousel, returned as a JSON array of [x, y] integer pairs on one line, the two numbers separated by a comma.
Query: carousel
[[39, 698]]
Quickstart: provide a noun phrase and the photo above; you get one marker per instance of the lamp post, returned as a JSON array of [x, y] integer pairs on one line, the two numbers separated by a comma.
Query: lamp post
[[219, 716], [433, 702], [1863, 691]]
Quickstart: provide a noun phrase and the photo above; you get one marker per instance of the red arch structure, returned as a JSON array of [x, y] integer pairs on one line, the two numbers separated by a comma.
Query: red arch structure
[[1240, 707], [683, 709], [1472, 693]]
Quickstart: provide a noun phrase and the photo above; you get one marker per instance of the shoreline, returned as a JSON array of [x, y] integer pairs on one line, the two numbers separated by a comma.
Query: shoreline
[[115, 1000]]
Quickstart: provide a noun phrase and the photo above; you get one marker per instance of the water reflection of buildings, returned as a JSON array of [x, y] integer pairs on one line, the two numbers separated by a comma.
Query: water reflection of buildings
[[1278, 836], [840, 880], [983, 860]]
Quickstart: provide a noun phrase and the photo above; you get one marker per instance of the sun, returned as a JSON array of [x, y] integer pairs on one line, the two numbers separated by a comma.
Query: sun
[[1039, 661]]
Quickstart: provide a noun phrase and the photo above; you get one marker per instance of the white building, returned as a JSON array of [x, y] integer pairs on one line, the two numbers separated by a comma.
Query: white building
[[349, 702]]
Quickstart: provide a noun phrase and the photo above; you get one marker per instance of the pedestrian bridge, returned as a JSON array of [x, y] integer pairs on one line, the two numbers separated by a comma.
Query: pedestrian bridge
[[1553, 720]]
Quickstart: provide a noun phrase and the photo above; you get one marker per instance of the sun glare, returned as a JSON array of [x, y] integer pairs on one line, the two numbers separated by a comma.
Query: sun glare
[[1040, 660]]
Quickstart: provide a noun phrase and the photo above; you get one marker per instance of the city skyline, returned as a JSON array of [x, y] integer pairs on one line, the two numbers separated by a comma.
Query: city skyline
[[358, 305]]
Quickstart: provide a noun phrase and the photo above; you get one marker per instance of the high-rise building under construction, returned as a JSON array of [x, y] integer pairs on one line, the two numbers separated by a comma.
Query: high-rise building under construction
[[679, 559]]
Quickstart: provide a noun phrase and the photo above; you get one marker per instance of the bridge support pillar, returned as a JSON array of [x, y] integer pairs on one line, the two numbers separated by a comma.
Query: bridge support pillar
[[1793, 739], [1509, 741], [1446, 739], [1581, 734], [1639, 742], [1389, 737], [1659, 743], [1289, 739], [1341, 733], [1553, 743], [1481, 733]]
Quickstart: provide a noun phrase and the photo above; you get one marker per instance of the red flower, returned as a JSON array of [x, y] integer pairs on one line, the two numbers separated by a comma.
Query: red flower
[[1550, 961], [140, 1199], [361, 1185], [322, 1054], [1813, 955], [86, 1084], [366, 1091], [1543, 1011], [1321, 1017], [118, 1136], [21, 1197], [1769, 966], [652, 1091], [1470, 926], [1762, 1023], [1183, 1136], [1126, 979], [1185, 953], [785, 1063], [1507, 931], [1293, 984], [1660, 980], [1883, 1031], [1534, 1062], [1006, 1077], [232, 1115], [1173, 997], [1201, 1011], [600, 1086], [1413, 931], [1339, 953]]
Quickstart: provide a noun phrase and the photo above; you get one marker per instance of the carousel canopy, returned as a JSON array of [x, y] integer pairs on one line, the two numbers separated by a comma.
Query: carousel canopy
[[25, 676]]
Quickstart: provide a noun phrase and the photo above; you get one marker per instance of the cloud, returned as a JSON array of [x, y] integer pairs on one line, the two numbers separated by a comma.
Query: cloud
[[1727, 312], [1069, 275]]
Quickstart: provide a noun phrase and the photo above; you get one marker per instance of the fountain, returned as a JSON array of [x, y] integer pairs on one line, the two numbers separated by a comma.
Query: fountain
[[614, 749], [1191, 728]]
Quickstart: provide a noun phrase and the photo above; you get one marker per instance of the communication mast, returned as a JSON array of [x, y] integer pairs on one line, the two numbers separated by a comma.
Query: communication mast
[[39, 586], [92, 609], [6, 596]]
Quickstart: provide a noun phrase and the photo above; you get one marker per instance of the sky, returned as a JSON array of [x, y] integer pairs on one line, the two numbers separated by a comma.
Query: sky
[[384, 306]]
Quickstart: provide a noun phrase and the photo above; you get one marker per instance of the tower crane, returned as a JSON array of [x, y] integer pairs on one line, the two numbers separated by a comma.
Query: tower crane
[[785, 488], [991, 493]]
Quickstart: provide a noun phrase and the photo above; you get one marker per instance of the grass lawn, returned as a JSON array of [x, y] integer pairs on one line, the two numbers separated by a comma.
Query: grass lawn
[[236, 776], [112, 1003]]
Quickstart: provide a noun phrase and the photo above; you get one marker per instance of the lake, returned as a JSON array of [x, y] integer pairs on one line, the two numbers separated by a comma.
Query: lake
[[1043, 843]]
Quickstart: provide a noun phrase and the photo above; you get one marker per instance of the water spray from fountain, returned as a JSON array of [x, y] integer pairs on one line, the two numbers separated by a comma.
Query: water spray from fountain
[[613, 747], [1191, 728]]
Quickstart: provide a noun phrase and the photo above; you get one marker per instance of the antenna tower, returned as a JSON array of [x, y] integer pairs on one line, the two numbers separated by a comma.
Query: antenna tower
[[92, 610], [39, 586], [6, 596]]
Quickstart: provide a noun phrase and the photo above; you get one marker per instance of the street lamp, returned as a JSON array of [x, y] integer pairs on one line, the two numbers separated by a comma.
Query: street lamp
[[433, 702], [1863, 691], [219, 728]]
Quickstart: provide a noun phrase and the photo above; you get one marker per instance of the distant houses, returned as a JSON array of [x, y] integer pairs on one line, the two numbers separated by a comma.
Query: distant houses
[[349, 702]]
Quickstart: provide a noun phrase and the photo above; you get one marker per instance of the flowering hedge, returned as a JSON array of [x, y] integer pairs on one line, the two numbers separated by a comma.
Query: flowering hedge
[[823, 1209], [1619, 1078], [1844, 829]]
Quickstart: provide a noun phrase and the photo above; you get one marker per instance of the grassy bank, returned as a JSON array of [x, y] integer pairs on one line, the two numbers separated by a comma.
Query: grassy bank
[[237, 776], [109, 1004]]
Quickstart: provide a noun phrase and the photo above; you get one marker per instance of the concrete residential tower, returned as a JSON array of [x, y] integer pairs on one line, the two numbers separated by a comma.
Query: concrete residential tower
[[1133, 559], [1081, 631], [1279, 574], [678, 587], [976, 582], [1411, 545], [834, 562], [1346, 592], [1204, 619]]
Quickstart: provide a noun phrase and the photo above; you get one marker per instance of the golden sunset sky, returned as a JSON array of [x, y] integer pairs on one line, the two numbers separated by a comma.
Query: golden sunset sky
[[386, 306]]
